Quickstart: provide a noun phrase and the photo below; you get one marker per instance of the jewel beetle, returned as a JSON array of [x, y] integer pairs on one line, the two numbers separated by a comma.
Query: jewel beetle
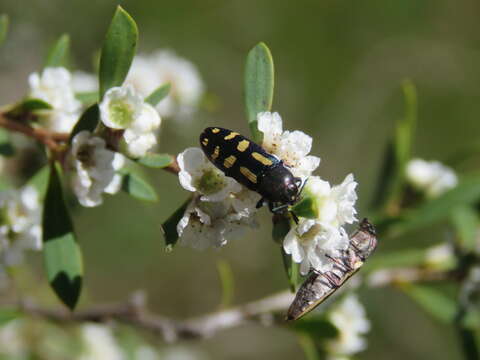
[[252, 166]]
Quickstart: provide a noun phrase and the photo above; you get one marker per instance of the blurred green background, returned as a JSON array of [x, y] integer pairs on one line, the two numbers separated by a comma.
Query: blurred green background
[[339, 65]]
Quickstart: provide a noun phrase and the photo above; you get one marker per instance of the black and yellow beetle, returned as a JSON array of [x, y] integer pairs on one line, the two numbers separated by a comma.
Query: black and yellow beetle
[[253, 167]]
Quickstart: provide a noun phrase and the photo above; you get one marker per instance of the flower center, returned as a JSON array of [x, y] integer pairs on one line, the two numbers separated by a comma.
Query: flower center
[[85, 155], [210, 182], [308, 236], [121, 112]]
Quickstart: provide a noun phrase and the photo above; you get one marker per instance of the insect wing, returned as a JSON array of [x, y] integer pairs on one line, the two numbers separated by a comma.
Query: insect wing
[[320, 286]]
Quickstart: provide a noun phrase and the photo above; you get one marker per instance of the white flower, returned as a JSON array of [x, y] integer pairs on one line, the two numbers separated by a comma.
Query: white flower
[[54, 86], [84, 82], [440, 256], [198, 174], [350, 319], [13, 343], [311, 241], [431, 177], [182, 353], [210, 224], [148, 72], [292, 147], [99, 343], [95, 168], [334, 205], [19, 224], [122, 108]]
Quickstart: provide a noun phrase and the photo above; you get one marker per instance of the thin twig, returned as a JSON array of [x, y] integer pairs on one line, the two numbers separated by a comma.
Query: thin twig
[[135, 313], [47, 138]]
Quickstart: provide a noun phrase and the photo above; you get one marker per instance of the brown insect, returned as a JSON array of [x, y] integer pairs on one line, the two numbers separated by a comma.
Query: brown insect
[[319, 286]]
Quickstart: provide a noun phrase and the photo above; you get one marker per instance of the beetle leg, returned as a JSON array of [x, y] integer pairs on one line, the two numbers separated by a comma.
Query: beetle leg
[[278, 208], [260, 203], [294, 217]]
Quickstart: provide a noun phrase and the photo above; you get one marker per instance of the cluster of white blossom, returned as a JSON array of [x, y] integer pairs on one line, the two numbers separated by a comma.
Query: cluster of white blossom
[[123, 108], [99, 343], [431, 177], [20, 224], [313, 240], [222, 207], [349, 318], [164, 66], [95, 168], [54, 86]]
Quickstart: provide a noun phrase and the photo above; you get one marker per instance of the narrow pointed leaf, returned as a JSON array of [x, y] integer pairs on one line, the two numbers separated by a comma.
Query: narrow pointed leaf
[[226, 279], [465, 222], [402, 148], [156, 161], [158, 94], [40, 181], [395, 259], [32, 105], [169, 227], [59, 53], [6, 147], [88, 121], [292, 269], [3, 27], [433, 302], [259, 83], [136, 185], [62, 255], [467, 192], [87, 97], [118, 50]]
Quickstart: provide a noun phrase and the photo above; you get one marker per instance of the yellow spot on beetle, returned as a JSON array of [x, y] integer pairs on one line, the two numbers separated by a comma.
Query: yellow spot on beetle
[[231, 135], [205, 142], [243, 145], [229, 161], [215, 130], [216, 152], [262, 159], [248, 174]]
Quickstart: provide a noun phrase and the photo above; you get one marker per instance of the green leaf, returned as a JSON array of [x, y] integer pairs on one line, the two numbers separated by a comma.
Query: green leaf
[[62, 255], [87, 97], [156, 161], [316, 325], [88, 121], [292, 269], [433, 302], [59, 52], [3, 27], [402, 147], [394, 259], [467, 192], [7, 315], [118, 50], [280, 228], [40, 181], [226, 279], [259, 82], [6, 147], [308, 346], [306, 207], [465, 222], [136, 185], [32, 105], [158, 94], [169, 227]]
